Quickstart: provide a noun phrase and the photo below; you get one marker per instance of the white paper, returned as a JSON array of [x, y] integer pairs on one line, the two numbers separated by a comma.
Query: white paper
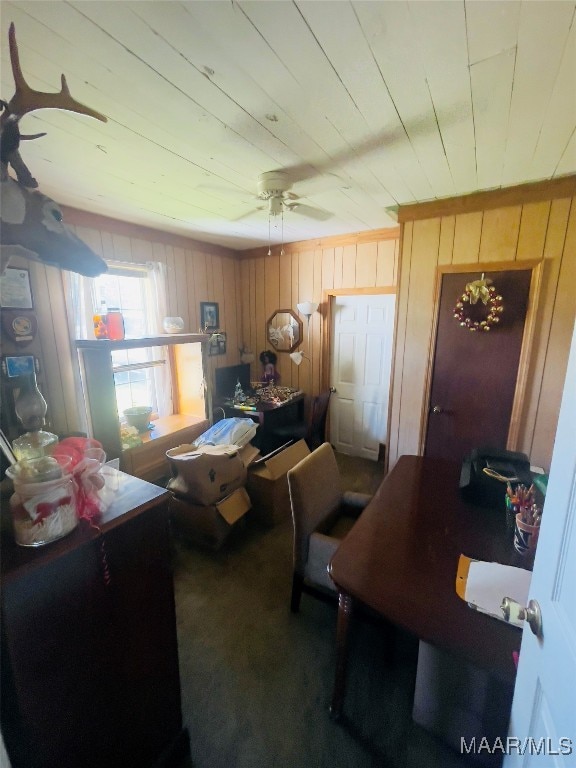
[[489, 583]]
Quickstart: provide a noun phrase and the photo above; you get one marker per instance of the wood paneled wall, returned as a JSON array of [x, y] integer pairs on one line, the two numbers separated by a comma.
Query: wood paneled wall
[[305, 272], [249, 286], [521, 229], [195, 272]]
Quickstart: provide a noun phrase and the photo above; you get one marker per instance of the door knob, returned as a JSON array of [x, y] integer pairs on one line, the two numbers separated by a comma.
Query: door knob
[[532, 614], [333, 389], [437, 409]]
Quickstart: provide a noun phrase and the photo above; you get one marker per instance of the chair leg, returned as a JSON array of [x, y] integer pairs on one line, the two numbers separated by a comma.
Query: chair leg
[[297, 582]]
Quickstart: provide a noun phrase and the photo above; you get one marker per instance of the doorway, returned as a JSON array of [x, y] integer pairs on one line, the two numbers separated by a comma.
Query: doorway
[[477, 376], [362, 330]]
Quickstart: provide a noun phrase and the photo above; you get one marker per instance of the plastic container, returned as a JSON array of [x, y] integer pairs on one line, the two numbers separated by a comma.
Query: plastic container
[[115, 325], [100, 328], [43, 505]]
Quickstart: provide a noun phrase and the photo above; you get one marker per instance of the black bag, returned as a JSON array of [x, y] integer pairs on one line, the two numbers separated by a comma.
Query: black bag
[[488, 489]]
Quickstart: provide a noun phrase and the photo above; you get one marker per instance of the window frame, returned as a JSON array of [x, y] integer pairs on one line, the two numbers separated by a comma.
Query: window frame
[[157, 366]]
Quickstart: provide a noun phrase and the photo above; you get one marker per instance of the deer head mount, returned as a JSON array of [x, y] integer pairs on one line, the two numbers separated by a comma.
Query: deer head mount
[[32, 223]]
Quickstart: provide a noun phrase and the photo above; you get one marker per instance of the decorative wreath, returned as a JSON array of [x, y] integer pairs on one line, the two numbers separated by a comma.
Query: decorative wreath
[[485, 292]]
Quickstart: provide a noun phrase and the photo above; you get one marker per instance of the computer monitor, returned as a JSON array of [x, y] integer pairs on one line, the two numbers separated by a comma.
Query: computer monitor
[[226, 378]]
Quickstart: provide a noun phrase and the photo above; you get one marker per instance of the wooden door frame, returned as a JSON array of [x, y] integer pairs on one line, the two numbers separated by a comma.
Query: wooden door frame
[[535, 265], [328, 296]]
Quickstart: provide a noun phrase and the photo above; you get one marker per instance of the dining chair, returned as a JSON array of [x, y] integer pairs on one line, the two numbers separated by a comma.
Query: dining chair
[[322, 514], [313, 428]]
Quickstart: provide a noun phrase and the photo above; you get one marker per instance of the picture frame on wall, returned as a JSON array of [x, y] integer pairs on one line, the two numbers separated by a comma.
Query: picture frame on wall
[[15, 289], [217, 344], [209, 315], [15, 366]]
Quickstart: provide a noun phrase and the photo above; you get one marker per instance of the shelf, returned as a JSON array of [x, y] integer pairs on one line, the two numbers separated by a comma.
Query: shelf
[[165, 426], [148, 461], [164, 339]]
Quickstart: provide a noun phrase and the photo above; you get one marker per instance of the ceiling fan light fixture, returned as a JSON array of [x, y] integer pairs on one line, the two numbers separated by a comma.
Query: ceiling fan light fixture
[[275, 206]]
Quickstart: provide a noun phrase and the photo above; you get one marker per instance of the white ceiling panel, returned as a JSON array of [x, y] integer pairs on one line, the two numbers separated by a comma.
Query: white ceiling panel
[[542, 37], [366, 106], [492, 79]]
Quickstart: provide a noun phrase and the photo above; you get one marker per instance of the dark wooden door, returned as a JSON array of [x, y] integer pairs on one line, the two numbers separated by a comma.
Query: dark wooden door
[[474, 373]]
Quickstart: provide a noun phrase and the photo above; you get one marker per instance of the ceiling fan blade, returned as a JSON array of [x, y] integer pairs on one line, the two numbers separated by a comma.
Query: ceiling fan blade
[[309, 211], [250, 213], [234, 194], [329, 166]]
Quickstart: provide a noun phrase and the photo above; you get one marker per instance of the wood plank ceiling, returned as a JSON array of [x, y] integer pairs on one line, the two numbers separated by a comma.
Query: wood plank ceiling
[[367, 105]]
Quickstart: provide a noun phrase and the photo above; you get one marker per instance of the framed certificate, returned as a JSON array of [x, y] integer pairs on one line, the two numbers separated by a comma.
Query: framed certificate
[[15, 290]]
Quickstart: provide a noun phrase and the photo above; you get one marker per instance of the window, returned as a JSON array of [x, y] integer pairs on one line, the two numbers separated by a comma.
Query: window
[[141, 376]]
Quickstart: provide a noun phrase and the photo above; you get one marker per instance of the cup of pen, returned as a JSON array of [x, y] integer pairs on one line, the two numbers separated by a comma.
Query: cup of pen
[[512, 510], [526, 530]]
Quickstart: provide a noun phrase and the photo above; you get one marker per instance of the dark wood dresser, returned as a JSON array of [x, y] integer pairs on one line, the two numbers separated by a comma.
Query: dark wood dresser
[[89, 662]]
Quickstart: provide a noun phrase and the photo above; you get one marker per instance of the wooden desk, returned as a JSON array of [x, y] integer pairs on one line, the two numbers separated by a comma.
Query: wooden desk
[[401, 557], [269, 416], [89, 663]]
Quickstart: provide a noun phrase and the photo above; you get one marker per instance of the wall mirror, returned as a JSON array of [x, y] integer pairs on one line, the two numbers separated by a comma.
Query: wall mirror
[[284, 330]]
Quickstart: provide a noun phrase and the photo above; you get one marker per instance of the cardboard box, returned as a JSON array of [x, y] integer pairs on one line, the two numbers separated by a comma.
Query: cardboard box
[[207, 474], [209, 526], [267, 484], [248, 454]]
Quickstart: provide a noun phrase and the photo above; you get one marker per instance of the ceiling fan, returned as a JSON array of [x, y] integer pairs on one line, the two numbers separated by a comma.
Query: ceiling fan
[[274, 188]]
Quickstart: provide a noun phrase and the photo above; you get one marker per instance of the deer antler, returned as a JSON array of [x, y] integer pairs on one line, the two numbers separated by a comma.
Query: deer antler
[[27, 100], [32, 223]]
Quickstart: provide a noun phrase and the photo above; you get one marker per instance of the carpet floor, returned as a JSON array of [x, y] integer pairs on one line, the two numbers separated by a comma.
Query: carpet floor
[[257, 680]]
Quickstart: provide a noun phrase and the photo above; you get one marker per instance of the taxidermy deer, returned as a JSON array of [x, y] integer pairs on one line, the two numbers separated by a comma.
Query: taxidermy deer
[[32, 224]]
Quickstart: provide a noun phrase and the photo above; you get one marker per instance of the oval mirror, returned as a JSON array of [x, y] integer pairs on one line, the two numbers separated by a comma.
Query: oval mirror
[[284, 330]]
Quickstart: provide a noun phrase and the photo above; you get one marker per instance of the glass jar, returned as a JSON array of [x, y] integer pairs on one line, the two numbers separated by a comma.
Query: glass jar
[[115, 325], [43, 505]]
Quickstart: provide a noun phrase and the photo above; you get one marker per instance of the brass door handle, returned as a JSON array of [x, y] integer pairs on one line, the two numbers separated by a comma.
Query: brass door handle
[[531, 613]]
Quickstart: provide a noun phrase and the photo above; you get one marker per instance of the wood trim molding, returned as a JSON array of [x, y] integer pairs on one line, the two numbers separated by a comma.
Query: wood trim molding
[[80, 218], [328, 297], [524, 360], [565, 186], [354, 238], [360, 291], [90, 220], [525, 351]]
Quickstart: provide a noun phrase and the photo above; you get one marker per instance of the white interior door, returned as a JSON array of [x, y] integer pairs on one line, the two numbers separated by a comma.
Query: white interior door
[[544, 708], [362, 332]]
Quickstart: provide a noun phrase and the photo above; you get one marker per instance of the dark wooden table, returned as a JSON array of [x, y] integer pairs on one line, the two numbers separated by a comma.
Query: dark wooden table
[[269, 416], [89, 655], [401, 559]]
